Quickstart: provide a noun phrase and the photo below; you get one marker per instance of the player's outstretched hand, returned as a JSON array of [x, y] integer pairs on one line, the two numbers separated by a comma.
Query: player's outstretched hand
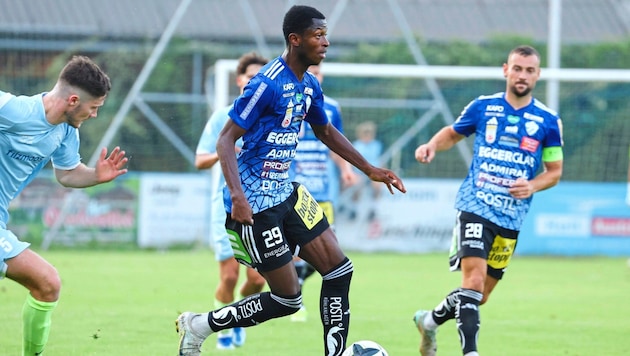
[[389, 178], [111, 167]]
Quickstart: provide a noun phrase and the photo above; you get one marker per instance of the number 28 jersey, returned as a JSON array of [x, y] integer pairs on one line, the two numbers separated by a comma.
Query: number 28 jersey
[[271, 110], [508, 145]]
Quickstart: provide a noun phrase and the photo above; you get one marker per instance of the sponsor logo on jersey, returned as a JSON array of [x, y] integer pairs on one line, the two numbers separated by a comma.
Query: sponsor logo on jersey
[[533, 117], [508, 141], [491, 130], [283, 138], [529, 144], [252, 101], [506, 156], [512, 119], [495, 108], [531, 128], [288, 86], [511, 129]]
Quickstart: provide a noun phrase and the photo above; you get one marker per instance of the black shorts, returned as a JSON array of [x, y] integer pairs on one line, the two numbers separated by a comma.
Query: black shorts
[[272, 240], [478, 237]]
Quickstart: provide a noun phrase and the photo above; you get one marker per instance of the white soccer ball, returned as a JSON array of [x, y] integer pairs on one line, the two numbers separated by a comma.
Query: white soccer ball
[[365, 348]]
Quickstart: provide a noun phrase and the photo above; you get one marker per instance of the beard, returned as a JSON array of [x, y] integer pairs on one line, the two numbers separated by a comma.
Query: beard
[[521, 93]]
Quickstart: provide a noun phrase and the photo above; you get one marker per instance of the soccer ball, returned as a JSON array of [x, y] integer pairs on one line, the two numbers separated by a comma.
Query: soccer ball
[[365, 348]]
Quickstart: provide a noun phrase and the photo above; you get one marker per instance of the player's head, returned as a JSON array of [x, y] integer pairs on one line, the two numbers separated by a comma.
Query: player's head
[[83, 86], [81, 72], [522, 70], [305, 30], [248, 65]]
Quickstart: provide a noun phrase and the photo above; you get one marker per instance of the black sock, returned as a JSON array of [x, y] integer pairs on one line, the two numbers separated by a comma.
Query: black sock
[[467, 317], [335, 307], [253, 310], [446, 309]]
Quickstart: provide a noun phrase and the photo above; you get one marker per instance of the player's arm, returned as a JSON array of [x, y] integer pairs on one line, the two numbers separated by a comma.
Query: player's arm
[[443, 140], [523, 188], [339, 144], [106, 169], [206, 160], [241, 210]]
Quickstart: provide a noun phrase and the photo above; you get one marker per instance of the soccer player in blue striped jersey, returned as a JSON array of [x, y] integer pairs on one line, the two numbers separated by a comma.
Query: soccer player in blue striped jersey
[[34, 130], [515, 136], [269, 217]]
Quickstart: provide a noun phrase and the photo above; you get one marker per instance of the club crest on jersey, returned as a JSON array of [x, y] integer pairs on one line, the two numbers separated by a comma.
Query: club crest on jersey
[[288, 114], [491, 130], [531, 127]]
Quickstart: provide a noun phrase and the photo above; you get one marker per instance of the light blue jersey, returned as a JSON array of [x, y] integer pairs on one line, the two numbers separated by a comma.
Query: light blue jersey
[[271, 110], [28, 142], [313, 166], [508, 145], [208, 145]]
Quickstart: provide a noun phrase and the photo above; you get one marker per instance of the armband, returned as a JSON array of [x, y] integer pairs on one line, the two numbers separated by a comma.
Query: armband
[[552, 154]]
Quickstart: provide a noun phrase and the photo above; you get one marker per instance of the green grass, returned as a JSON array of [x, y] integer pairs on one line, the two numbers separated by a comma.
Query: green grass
[[125, 303]]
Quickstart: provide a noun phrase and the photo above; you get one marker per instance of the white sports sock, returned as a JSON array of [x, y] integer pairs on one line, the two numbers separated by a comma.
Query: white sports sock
[[428, 322], [200, 324]]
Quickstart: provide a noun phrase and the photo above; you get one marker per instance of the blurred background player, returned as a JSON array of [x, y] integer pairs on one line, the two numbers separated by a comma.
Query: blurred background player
[[206, 156], [51, 122], [515, 135], [320, 170], [371, 148]]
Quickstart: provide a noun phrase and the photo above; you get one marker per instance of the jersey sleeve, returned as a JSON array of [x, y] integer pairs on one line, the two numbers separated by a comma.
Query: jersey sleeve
[[554, 135], [252, 104], [67, 157], [466, 123], [210, 135]]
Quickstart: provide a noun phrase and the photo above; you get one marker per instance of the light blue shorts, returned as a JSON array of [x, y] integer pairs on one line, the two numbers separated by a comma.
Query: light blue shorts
[[219, 238], [10, 247]]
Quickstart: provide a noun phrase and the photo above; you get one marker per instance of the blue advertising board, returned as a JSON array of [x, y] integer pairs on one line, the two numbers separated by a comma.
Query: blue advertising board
[[578, 219]]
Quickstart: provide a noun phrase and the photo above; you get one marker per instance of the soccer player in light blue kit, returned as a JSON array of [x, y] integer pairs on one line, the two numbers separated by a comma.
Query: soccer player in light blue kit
[[268, 216], [319, 169], [514, 135], [205, 158], [33, 130]]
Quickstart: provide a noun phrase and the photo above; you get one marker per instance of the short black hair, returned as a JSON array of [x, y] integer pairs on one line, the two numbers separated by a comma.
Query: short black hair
[[248, 59], [525, 51], [298, 19], [83, 73]]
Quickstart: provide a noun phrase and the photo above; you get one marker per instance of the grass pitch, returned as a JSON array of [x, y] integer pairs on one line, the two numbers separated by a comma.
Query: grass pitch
[[125, 303]]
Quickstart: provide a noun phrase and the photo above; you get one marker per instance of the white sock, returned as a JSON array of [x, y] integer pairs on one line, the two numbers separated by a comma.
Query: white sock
[[472, 353], [200, 324], [428, 322]]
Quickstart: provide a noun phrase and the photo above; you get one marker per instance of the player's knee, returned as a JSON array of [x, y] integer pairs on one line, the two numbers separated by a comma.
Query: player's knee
[[48, 286], [287, 305], [341, 275]]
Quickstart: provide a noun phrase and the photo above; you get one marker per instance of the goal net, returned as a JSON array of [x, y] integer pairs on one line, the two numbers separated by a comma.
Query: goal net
[[409, 103]]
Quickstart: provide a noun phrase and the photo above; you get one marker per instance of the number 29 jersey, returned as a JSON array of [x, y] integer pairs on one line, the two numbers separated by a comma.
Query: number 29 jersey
[[508, 145], [271, 110]]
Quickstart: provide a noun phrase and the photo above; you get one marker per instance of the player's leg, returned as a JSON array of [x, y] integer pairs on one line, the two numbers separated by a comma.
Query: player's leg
[[264, 247], [228, 278], [336, 270], [43, 283], [254, 283], [467, 306]]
